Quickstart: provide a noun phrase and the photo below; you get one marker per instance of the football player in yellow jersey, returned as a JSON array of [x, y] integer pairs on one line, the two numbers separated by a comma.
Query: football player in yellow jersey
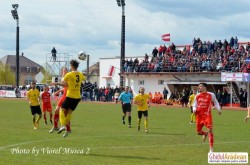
[[191, 102], [33, 96], [73, 81], [141, 100]]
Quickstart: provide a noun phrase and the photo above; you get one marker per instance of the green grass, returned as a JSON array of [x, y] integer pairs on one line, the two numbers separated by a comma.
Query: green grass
[[97, 127]]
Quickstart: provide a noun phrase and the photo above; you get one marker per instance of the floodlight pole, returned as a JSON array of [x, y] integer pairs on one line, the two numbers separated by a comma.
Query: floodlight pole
[[15, 16], [17, 54], [121, 3]]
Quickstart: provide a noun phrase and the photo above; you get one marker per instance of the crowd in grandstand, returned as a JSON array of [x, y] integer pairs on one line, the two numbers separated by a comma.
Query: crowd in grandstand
[[204, 56]]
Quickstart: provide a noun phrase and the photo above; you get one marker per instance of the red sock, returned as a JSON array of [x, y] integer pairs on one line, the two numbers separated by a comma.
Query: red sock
[[50, 116], [56, 118], [68, 127], [211, 140]]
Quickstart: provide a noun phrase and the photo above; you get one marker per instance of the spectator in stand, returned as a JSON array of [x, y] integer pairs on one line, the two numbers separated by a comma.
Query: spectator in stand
[[236, 46], [248, 47], [232, 42], [173, 47], [225, 44], [160, 50], [220, 44], [126, 65], [164, 49], [132, 66], [155, 52]]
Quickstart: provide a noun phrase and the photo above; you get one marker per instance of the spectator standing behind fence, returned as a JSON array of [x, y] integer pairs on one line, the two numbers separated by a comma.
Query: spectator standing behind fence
[[53, 52], [241, 97], [224, 97]]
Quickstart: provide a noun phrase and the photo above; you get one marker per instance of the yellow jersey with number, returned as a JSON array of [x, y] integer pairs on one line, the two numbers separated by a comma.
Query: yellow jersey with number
[[33, 96], [74, 80], [143, 99]]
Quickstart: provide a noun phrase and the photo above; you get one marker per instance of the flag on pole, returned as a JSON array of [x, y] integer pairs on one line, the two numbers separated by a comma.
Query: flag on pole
[[166, 37], [111, 71]]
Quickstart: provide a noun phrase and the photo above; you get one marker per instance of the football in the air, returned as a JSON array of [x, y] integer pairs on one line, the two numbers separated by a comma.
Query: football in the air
[[82, 55]]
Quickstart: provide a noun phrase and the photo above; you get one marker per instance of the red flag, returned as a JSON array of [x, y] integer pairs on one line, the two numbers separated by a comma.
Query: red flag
[[165, 37], [111, 71]]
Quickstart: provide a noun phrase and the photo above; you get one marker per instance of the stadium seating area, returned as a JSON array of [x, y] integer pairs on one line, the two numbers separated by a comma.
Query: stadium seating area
[[202, 56]]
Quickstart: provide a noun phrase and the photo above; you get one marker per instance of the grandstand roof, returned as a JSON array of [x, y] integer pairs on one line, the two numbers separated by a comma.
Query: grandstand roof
[[23, 61]]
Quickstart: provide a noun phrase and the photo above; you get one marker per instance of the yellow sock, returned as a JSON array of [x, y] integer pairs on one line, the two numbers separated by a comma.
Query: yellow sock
[[68, 117], [62, 117], [194, 117], [191, 117], [146, 123]]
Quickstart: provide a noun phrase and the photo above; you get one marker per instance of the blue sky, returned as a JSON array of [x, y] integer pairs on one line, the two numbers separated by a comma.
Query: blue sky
[[95, 26]]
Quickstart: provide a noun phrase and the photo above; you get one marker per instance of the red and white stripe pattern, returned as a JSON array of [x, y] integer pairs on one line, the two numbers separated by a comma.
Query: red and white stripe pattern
[[166, 37]]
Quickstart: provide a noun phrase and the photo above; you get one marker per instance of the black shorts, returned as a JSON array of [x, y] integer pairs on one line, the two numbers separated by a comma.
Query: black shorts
[[70, 103], [191, 109], [35, 110], [126, 107], [145, 114]]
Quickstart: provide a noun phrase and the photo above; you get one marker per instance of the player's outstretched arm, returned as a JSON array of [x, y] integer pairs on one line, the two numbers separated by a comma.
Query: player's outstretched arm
[[57, 92]]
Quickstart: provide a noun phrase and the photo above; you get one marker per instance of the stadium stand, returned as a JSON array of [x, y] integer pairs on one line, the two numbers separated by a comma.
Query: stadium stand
[[204, 56]]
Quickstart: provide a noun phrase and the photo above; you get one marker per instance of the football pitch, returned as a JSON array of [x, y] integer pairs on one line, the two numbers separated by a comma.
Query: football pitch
[[99, 137]]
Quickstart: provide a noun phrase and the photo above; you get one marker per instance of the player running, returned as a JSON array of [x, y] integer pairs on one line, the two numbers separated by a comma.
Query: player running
[[142, 101], [202, 108], [46, 104], [33, 96], [126, 98]]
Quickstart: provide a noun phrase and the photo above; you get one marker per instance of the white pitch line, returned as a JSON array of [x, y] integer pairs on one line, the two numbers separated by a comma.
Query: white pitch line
[[117, 147]]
